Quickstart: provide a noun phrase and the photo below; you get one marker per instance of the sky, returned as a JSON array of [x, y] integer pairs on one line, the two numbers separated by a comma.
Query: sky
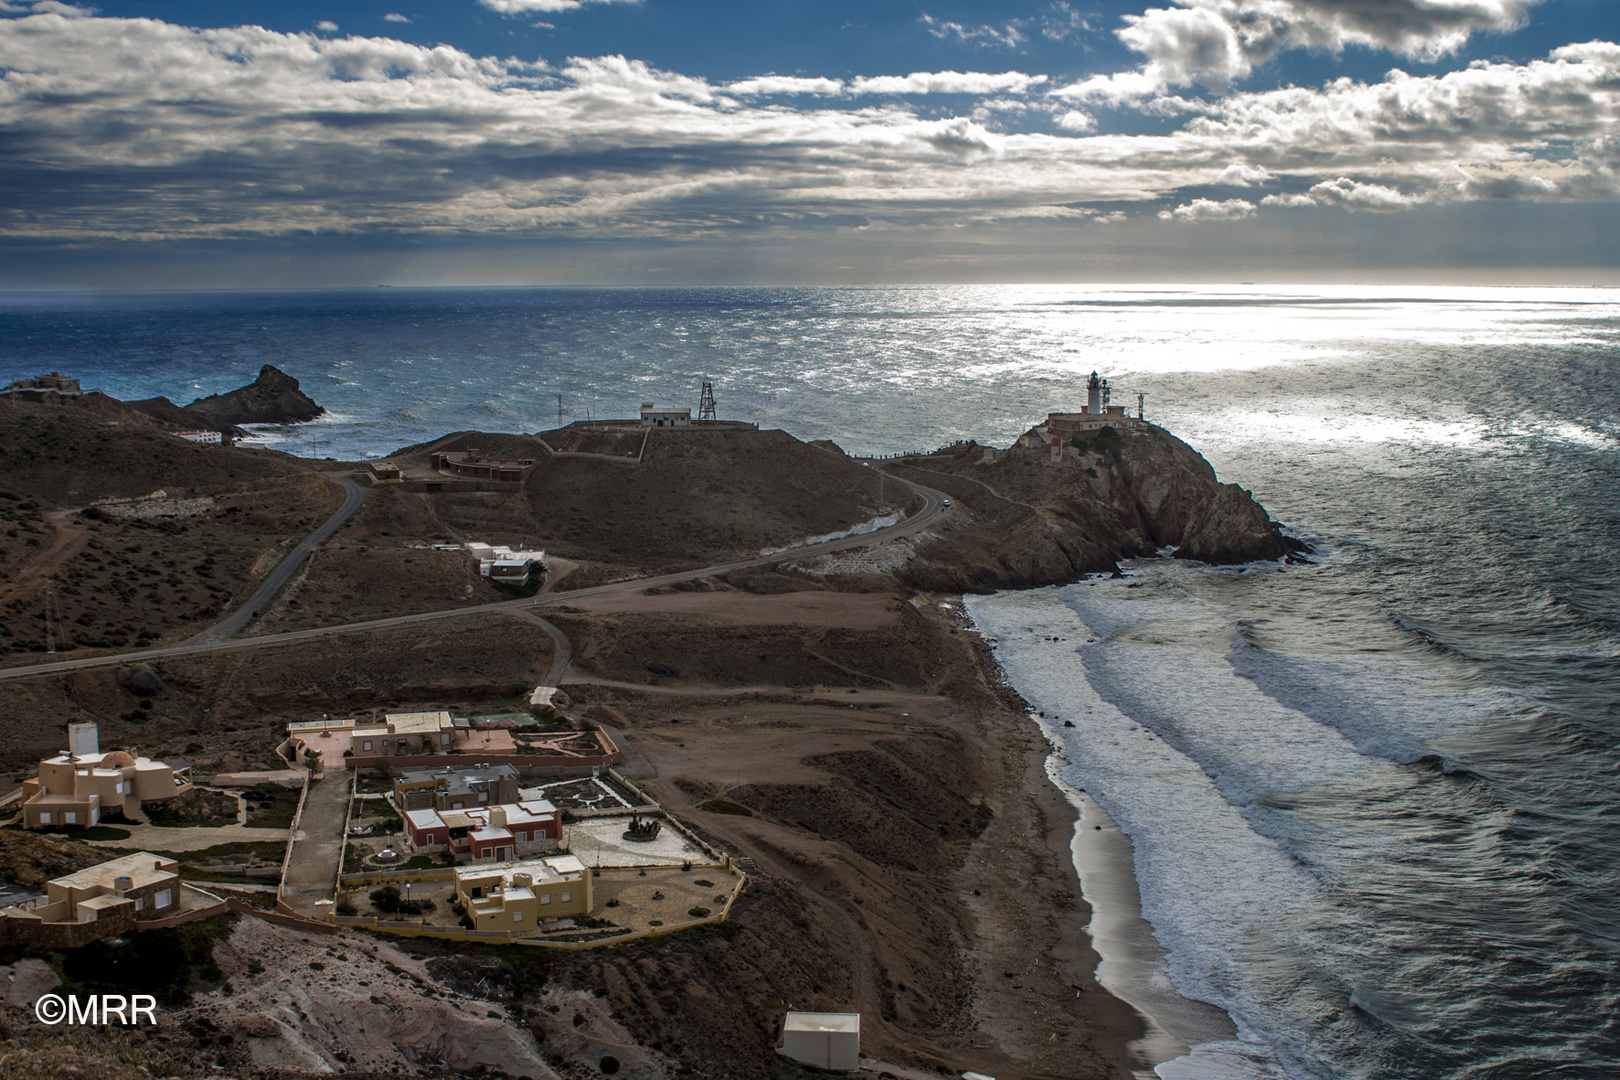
[[169, 143]]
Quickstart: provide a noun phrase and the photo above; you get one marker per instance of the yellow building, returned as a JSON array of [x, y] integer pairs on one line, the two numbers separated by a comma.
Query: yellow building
[[77, 787], [518, 897]]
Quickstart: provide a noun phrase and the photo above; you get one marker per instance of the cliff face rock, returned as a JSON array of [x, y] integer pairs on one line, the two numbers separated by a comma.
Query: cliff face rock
[[272, 398], [1023, 521]]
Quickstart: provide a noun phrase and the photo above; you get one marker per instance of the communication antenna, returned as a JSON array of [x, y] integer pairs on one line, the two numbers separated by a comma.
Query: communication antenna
[[706, 402], [559, 410], [1140, 407]]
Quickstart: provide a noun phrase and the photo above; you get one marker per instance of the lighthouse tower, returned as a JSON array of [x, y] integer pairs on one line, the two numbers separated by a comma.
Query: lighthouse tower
[[1094, 395]]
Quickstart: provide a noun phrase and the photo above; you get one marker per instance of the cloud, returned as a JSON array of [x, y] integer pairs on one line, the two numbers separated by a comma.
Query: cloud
[[1008, 35], [327, 26], [1210, 210], [1218, 42], [394, 16], [1076, 120], [786, 84], [528, 7], [140, 129], [1350, 194], [946, 82]]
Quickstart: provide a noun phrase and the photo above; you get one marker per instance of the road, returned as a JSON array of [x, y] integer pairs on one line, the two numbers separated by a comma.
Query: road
[[211, 642], [232, 624]]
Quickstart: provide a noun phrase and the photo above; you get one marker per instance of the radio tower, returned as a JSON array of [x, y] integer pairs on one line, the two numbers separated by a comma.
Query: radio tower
[[706, 402]]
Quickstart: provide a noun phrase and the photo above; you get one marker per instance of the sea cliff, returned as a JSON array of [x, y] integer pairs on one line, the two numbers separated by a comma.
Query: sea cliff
[[1026, 520]]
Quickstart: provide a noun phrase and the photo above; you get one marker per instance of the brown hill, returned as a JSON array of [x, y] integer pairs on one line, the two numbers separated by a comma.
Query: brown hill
[[696, 497], [1025, 522]]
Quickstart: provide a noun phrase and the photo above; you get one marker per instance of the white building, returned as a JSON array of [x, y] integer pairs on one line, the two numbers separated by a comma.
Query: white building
[[653, 416], [825, 1040]]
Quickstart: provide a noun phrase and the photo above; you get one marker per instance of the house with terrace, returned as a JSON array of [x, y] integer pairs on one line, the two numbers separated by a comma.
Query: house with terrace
[[519, 897], [79, 785], [500, 833]]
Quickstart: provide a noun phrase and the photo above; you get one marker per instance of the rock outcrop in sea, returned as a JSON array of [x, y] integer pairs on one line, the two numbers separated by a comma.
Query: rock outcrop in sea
[[272, 398], [1024, 520]]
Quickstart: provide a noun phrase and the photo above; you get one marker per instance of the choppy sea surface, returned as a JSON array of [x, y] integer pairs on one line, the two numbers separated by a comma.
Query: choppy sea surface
[[1374, 803]]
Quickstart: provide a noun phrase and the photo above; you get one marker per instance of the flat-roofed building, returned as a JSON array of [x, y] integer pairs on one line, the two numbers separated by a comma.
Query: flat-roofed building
[[653, 416], [501, 832], [76, 787], [55, 381], [825, 1040], [478, 466], [100, 902], [519, 897], [383, 472], [452, 788]]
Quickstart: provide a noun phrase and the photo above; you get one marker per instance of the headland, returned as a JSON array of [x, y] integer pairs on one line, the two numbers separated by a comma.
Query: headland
[[828, 719]]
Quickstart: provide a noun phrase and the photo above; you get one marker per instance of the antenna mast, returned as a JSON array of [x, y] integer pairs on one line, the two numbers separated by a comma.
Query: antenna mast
[[706, 402]]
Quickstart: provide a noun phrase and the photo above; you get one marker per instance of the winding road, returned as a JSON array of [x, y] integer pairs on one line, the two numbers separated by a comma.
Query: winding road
[[219, 638]]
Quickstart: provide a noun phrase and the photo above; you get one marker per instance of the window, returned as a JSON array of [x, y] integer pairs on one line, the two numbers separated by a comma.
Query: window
[[477, 891], [545, 898], [164, 899], [45, 818], [444, 739], [567, 896], [517, 916], [366, 745], [140, 903], [118, 788], [71, 817]]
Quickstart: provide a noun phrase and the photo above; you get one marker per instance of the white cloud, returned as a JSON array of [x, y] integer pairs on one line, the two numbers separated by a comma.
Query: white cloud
[[394, 16], [1007, 36], [946, 82], [1210, 210], [1076, 120], [327, 26], [786, 84], [528, 7], [1216, 42], [1242, 175]]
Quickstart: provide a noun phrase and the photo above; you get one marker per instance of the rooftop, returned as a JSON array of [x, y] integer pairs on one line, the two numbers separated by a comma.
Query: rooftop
[[143, 868]]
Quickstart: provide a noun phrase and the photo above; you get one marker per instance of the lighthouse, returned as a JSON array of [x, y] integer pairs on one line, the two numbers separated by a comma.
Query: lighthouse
[[1094, 390]]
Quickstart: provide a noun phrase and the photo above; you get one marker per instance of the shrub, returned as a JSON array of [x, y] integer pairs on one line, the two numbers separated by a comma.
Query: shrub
[[345, 906], [386, 899], [723, 806], [698, 912]]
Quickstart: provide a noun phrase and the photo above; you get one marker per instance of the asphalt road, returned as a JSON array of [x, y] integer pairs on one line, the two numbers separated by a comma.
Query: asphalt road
[[232, 624], [933, 507]]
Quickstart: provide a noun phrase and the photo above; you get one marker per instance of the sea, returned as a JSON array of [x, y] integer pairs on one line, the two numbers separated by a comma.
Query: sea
[[1369, 807]]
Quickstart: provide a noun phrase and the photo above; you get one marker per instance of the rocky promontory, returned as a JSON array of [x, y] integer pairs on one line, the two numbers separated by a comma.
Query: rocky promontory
[[272, 398], [1025, 520]]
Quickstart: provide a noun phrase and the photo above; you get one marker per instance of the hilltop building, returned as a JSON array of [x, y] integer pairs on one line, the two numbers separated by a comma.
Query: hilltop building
[[518, 896], [474, 465], [55, 382], [506, 566], [1061, 427], [653, 416], [77, 786]]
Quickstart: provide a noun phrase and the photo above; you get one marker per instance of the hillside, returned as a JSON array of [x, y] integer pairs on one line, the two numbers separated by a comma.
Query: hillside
[[697, 497], [1023, 522], [131, 573]]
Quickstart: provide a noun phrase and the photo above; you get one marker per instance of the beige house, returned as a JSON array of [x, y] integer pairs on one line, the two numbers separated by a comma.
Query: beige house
[[77, 787], [100, 902], [518, 897]]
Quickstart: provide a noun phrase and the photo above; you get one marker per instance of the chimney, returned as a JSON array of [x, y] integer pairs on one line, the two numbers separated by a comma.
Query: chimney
[[122, 885]]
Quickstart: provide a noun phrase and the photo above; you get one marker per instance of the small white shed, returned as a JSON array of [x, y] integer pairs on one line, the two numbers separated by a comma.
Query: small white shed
[[825, 1040]]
